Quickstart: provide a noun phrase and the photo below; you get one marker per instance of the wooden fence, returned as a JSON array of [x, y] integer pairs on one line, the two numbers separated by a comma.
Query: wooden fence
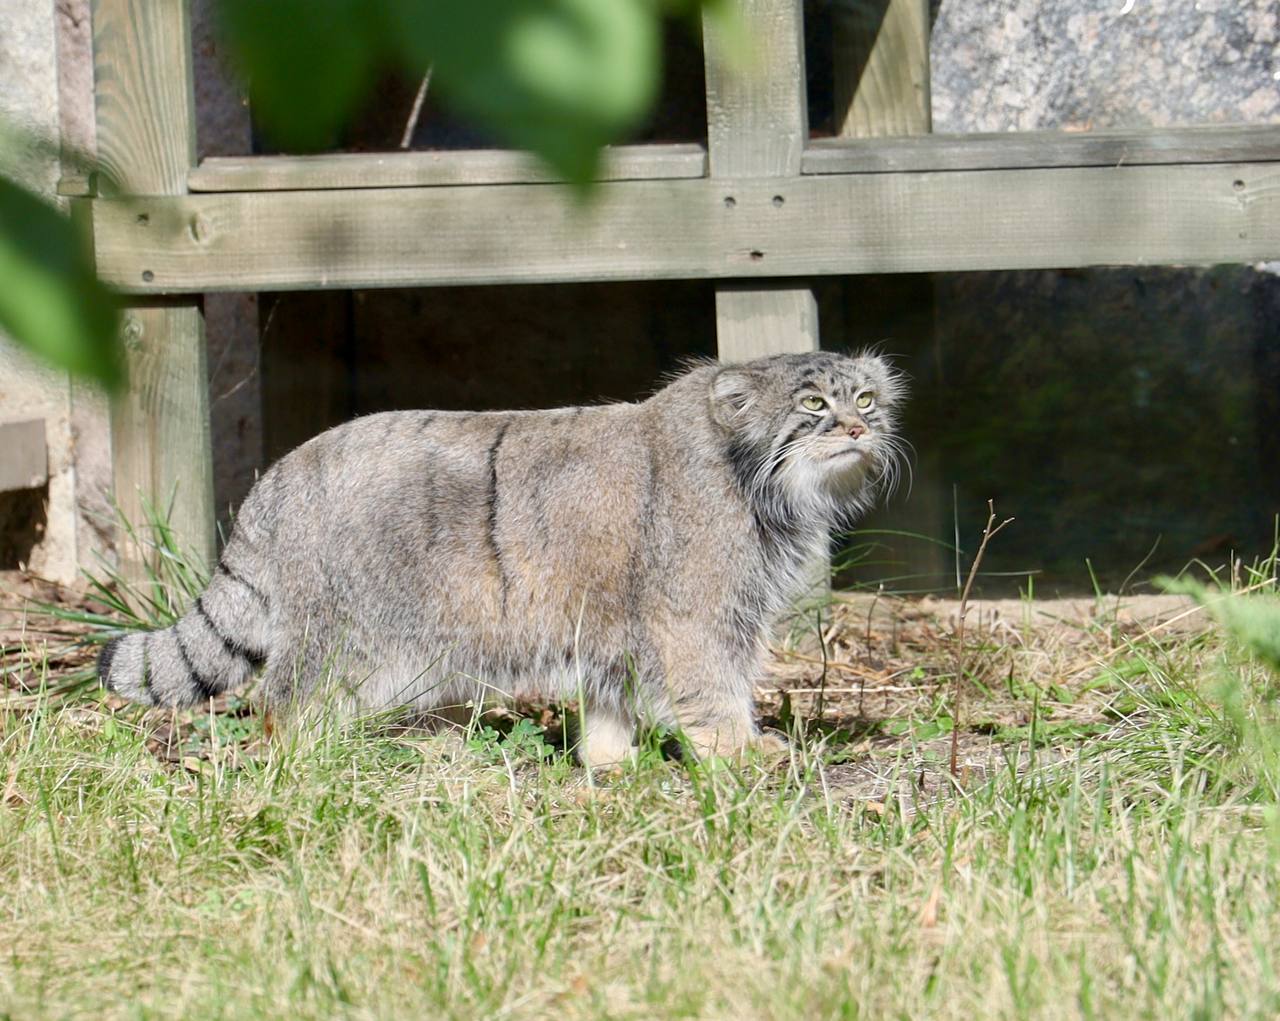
[[761, 205]]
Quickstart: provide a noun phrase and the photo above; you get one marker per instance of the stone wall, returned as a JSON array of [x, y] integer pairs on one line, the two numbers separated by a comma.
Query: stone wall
[[1113, 411], [47, 530]]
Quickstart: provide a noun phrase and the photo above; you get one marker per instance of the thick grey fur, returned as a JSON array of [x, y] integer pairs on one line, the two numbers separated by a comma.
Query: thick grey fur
[[635, 555]]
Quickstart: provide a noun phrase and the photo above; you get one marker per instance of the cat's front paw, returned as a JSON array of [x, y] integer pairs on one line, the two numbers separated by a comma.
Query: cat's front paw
[[724, 745], [770, 745]]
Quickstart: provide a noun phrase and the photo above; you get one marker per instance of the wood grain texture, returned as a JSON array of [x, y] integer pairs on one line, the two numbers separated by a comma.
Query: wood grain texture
[[757, 120], [143, 96], [146, 145], [160, 426], [24, 455], [757, 124], [881, 61], [424, 169], [757, 319], [910, 222], [1228, 143]]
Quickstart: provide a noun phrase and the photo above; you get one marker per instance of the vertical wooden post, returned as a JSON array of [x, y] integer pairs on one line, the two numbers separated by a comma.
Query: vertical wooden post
[[881, 63], [881, 51], [145, 109], [757, 124]]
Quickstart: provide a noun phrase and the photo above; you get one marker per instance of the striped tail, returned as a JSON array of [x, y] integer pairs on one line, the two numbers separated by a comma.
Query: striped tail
[[215, 647]]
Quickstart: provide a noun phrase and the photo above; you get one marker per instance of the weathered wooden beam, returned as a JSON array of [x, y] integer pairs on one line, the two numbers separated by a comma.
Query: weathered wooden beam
[[1227, 143], [24, 455], [757, 124], [757, 120], [881, 61], [764, 317], [644, 230], [426, 169], [146, 143]]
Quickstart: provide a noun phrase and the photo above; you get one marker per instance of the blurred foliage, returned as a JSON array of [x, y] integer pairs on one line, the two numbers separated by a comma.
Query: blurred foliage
[[561, 78], [1252, 620], [50, 300]]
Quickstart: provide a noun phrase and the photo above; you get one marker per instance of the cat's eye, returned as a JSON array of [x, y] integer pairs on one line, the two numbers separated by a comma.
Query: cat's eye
[[812, 403], [865, 400]]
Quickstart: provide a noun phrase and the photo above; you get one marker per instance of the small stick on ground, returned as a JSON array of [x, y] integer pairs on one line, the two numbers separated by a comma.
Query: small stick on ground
[[822, 689], [988, 533], [862, 687]]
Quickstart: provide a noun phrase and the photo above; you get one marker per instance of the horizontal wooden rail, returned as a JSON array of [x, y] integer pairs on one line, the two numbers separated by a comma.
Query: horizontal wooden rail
[[1228, 143], [433, 169], [870, 223]]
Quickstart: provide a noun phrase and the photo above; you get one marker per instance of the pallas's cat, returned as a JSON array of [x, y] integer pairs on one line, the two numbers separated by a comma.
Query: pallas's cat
[[633, 556]]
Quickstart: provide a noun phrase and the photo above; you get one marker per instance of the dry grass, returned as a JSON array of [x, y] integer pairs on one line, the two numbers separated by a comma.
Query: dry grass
[[1109, 848]]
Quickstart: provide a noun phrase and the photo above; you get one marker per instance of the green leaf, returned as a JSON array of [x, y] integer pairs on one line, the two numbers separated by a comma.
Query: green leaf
[[307, 63], [50, 300], [560, 77]]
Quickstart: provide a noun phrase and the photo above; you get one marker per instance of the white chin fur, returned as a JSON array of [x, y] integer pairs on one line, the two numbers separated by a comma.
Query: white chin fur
[[829, 489]]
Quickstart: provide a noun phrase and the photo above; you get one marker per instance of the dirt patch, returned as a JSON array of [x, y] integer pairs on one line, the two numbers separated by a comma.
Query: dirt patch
[[1037, 679], [39, 644]]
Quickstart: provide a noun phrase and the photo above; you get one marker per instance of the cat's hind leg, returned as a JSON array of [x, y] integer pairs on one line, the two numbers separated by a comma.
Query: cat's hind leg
[[607, 739]]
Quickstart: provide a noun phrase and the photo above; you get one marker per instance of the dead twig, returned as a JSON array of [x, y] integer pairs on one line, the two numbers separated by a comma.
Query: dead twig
[[988, 533], [411, 125], [822, 689]]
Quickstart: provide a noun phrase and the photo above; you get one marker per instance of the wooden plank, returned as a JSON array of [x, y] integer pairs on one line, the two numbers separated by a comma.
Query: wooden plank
[[146, 143], [902, 223], [774, 318], [143, 94], [427, 169], [881, 63], [165, 460], [757, 124], [757, 120], [1020, 150], [24, 455]]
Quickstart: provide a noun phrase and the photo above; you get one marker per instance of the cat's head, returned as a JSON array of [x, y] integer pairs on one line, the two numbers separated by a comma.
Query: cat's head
[[816, 431]]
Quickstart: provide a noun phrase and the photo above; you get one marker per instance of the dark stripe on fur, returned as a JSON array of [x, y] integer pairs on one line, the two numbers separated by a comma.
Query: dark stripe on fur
[[146, 673], [240, 579], [204, 689], [104, 663], [744, 461], [777, 530], [493, 510], [234, 648], [807, 424]]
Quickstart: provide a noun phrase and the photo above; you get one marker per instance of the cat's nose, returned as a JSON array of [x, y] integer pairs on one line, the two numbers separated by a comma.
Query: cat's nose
[[857, 428]]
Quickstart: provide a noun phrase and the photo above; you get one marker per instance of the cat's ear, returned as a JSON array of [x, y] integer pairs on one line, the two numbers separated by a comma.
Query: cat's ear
[[733, 392]]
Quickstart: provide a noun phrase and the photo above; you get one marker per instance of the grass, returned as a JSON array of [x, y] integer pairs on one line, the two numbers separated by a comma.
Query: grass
[[1111, 849]]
